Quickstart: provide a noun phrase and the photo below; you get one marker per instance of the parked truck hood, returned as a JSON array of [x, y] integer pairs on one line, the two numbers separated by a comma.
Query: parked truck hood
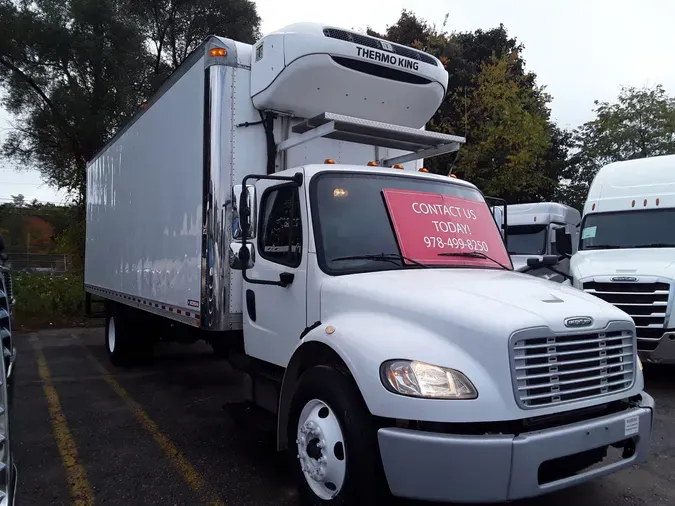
[[481, 299], [626, 262]]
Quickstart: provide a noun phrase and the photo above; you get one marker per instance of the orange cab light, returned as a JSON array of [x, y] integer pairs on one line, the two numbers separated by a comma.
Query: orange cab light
[[452, 175], [329, 161], [535, 218], [657, 202], [144, 105], [645, 202], [633, 204], [423, 170], [218, 51], [372, 164], [593, 207], [398, 166]]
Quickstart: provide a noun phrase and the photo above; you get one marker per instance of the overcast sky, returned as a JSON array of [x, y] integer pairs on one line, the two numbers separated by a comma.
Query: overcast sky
[[582, 50]]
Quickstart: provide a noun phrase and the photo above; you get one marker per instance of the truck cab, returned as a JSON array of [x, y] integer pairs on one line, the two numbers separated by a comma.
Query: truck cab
[[626, 252], [532, 233]]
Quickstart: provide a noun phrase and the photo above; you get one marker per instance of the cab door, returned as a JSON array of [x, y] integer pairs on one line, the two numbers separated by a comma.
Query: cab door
[[275, 286]]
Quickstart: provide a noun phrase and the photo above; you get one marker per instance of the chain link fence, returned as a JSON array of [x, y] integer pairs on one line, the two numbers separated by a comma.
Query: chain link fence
[[48, 264]]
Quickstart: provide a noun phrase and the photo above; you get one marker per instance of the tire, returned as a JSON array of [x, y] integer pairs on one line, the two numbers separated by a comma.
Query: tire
[[125, 342], [328, 408]]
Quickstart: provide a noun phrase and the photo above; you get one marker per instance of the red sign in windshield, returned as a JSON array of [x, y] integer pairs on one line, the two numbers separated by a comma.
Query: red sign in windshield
[[427, 224]]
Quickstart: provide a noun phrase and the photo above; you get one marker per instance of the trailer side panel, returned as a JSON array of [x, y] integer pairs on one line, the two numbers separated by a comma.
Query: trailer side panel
[[144, 204]]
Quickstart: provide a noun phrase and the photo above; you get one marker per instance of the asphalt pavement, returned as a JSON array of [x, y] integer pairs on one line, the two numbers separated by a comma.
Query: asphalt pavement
[[170, 433]]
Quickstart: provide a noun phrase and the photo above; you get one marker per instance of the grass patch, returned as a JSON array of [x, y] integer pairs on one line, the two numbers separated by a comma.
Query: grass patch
[[43, 299]]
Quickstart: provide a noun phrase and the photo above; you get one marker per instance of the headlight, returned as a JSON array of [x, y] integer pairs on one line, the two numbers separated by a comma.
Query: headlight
[[417, 379]]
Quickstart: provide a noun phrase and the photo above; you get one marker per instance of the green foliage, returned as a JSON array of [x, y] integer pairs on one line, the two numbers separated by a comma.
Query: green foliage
[[44, 222], [510, 137], [639, 124], [513, 150], [48, 297], [176, 27], [74, 71]]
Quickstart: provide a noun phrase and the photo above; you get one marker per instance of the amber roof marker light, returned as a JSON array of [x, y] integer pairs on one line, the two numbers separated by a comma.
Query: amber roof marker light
[[218, 51]]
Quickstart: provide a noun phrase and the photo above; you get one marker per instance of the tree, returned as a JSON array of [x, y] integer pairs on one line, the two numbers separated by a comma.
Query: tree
[[641, 123], [18, 200], [176, 27], [74, 71], [509, 138], [513, 150]]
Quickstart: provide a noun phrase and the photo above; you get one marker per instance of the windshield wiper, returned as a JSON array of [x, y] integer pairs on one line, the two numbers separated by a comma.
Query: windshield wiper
[[393, 258], [656, 245], [605, 246], [472, 254]]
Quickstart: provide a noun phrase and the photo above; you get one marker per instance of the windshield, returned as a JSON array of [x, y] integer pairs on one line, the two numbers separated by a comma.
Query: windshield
[[527, 239], [651, 228], [354, 215]]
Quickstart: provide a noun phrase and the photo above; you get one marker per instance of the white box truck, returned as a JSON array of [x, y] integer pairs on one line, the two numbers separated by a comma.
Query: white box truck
[[626, 252], [534, 230], [270, 200]]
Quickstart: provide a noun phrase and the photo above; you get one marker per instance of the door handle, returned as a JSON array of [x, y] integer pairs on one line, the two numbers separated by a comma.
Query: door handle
[[286, 278]]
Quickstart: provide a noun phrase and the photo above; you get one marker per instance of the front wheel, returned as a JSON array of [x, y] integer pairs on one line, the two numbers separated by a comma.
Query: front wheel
[[335, 458]]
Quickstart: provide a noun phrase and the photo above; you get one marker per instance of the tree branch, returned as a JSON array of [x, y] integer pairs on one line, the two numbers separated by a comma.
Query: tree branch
[[48, 102]]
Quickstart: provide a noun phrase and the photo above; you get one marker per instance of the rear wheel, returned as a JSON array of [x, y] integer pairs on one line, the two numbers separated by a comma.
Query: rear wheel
[[126, 340], [115, 341], [333, 444]]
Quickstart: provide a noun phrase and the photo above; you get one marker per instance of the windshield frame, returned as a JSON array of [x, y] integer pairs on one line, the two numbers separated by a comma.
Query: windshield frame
[[619, 212], [317, 230], [544, 227]]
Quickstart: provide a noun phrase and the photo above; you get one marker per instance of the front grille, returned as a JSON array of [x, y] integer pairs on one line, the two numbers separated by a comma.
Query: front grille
[[564, 368], [365, 40], [646, 303]]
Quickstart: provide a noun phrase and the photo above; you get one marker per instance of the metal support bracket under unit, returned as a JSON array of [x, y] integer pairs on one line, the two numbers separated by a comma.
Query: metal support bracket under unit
[[421, 143]]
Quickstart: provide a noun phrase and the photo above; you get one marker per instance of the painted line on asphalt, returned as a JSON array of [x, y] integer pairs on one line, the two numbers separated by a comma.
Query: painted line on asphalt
[[78, 483], [188, 472]]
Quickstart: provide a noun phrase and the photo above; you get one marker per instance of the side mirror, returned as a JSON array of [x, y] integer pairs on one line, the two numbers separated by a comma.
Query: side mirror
[[236, 208], [563, 242], [239, 256], [545, 261]]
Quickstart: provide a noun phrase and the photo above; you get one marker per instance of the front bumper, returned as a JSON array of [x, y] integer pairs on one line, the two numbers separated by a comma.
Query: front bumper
[[664, 353], [495, 468]]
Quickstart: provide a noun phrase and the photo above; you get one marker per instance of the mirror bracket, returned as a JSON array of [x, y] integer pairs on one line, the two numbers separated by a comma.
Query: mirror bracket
[[285, 278]]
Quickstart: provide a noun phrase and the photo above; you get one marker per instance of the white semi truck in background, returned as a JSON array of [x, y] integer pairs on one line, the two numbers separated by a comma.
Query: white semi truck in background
[[270, 200], [626, 251], [533, 231]]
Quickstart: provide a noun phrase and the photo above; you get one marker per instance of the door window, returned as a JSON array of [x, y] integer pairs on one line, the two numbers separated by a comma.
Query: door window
[[280, 238]]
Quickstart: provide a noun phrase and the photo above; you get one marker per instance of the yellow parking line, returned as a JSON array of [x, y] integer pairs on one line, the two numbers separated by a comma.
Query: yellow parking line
[[180, 462], [80, 490]]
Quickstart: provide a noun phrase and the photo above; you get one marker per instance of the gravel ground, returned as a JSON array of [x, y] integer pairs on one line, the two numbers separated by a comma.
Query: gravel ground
[[84, 432]]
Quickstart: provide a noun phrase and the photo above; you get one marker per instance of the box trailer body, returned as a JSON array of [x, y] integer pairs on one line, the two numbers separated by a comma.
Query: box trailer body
[[264, 201], [626, 248]]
